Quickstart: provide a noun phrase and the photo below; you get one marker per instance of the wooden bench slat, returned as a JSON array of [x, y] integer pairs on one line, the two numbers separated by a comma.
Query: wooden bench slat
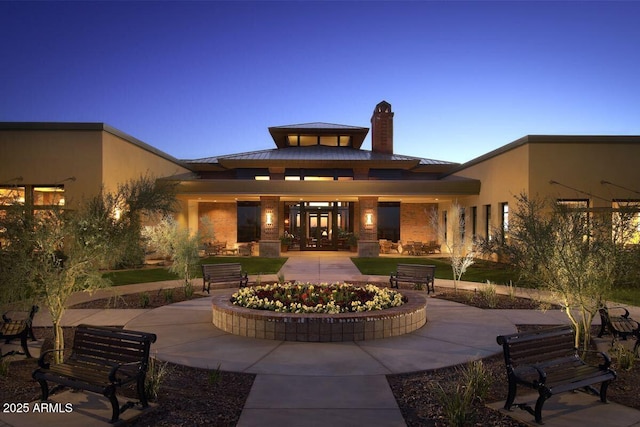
[[546, 360], [414, 273], [619, 326], [99, 353], [222, 273]]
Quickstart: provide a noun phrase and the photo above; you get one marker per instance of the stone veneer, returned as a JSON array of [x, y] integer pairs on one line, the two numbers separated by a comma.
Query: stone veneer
[[313, 327]]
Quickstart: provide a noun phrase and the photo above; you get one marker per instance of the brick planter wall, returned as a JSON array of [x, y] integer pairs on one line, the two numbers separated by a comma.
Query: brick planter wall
[[321, 327]]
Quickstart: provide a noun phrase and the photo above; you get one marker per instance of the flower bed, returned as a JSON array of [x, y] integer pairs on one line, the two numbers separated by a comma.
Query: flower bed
[[324, 298], [314, 326]]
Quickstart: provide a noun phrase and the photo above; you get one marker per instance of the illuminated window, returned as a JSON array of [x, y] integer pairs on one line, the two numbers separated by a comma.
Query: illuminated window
[[12, 195], [295, 140], [318, 178], [307, 140], [504, 222], [625, 222], [48, 196]]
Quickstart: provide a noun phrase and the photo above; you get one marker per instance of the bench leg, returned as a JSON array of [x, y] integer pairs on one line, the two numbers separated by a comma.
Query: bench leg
[[44, 387], [539, 404], [603, 391], [23, 344], [511, 396], [110, 393], [141, 393]]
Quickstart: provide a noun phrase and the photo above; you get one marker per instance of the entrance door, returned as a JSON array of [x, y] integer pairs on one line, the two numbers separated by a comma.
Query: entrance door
[[319, 226], [319, 230]]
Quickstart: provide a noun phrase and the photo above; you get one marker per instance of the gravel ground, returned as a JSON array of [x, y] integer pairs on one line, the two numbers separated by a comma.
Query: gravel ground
[[199, 397]]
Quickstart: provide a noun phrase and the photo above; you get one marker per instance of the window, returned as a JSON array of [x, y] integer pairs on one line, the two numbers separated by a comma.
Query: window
[[48, 196], [625, 222], [326, 140], [12, 195], [474, 221], [463, 223], [248, 221], [444, 224], [504, 220], [389, 221], [487, 221]]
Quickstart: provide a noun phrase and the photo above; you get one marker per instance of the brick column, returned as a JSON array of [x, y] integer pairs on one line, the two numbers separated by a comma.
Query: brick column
[[368, 245], [269, 245]]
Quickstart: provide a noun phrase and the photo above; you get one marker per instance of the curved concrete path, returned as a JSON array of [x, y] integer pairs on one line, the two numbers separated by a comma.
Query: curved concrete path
[[454, 333]]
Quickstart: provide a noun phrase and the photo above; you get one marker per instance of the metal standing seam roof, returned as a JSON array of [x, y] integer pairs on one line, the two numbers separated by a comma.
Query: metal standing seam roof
[[316, 153]]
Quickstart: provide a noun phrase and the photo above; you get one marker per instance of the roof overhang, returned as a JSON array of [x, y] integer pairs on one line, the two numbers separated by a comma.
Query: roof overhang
[[280, 133], [327, 190]]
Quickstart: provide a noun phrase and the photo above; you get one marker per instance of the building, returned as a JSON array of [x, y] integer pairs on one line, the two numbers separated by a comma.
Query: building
[[318, 186]]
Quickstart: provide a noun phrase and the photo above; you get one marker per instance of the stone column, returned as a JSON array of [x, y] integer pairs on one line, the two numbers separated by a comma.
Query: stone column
[[269, 245], [368, 245]]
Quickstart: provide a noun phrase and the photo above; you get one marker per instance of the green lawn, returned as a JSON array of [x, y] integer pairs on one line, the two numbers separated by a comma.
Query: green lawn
[[480, 271], [252, 265]]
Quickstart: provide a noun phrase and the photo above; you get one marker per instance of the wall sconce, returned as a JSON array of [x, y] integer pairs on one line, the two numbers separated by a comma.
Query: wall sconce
[[269, 219], [368, 219]]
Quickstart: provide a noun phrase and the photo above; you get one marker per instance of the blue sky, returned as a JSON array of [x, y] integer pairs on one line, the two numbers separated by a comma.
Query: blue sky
[[207, 78]]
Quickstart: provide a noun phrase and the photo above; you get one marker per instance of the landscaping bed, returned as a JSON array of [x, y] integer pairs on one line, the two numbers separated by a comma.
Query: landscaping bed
[[199, 397]]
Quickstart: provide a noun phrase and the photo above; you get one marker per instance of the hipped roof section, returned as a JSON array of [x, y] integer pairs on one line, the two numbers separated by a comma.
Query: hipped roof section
[[319, 156], [281, 133]]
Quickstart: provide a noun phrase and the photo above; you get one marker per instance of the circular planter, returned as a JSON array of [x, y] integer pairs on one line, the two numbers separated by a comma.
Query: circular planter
[[314, 327]]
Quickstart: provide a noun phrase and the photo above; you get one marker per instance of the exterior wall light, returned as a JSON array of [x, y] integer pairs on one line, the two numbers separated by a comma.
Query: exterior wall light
[[368, 219]]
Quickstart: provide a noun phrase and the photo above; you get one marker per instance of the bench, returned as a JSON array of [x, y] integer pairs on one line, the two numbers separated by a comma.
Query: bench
[[619, 325], [222, 273], [547, 361], [102, 359], [18, 325], [418, 274]]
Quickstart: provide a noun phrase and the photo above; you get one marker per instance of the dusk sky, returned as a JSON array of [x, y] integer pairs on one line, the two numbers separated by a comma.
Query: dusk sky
[[199, 79]]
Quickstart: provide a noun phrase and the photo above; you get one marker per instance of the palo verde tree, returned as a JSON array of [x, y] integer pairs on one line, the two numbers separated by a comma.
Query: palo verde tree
[[567, 251], [457, 241], [50, 254]]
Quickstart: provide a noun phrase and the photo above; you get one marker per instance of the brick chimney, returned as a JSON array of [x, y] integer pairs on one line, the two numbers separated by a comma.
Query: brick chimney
[[382, 129]]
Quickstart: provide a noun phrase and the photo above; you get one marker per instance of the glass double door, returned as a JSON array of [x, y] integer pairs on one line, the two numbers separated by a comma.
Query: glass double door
[[320, 226]]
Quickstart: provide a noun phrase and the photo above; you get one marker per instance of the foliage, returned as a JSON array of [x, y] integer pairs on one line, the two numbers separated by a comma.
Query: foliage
[[215, 375], [320, 298], [489, 293], [457, 241], [625, 358], [568, 252], [169, 239], [136, 202], [457, 399], [47, 255], [156, 373], [4, 367], [145, 300], [477, 378]]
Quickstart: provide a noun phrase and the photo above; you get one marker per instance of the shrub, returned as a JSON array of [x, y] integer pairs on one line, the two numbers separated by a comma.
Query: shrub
[[188, 290], [168, 295], [456, 405], [624, 356], [145, 300], [490, 294], [477, 379], [155, 376]]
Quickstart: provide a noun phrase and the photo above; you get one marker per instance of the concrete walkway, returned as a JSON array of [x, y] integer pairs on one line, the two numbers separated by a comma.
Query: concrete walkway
[[318, 384]]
